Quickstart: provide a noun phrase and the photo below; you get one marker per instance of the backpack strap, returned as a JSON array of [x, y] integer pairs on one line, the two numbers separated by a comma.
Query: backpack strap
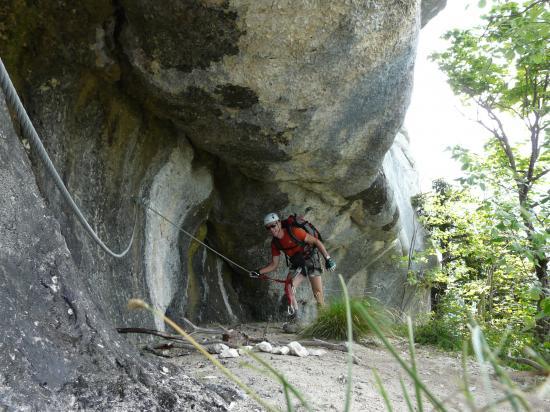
[[297, 242], [293, 236], [278, 245]]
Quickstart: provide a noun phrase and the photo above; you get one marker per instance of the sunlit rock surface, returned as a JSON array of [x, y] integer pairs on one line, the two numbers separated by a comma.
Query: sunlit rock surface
[[211, 113]]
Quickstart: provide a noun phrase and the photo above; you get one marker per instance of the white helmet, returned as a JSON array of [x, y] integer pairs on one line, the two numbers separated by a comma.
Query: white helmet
[[270, 218]]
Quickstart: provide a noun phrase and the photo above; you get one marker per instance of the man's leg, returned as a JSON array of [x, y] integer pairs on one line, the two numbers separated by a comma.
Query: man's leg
[[317, 289], [299, 278]]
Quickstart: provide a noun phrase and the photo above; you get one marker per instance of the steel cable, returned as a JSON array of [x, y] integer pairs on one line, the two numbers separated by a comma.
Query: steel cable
[[29, 131], [193, 237]]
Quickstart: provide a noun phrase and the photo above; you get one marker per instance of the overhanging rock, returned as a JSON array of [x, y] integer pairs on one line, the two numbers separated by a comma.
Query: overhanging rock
[[213, 113]]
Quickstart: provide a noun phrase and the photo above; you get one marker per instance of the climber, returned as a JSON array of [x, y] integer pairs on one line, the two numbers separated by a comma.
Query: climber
[[299, 246]]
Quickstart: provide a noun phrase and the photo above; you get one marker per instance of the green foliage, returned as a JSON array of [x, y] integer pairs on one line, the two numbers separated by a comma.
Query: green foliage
[[438, 333], [486, 273], [331, 322], [500, 62], [446, 329], [493, 231]]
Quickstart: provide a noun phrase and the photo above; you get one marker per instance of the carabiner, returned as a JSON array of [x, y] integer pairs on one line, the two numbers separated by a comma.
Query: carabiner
[[290, 310]]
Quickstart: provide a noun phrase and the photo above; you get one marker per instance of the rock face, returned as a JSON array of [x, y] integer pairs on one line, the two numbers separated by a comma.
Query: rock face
[[212, 113], [59, 350]]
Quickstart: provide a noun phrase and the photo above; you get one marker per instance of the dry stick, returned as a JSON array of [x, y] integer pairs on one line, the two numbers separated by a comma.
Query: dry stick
[[151, 332], [198, 329], [164, 335], [540, 370], [162, 351], [174, 337], [168, 346], [315, 342]]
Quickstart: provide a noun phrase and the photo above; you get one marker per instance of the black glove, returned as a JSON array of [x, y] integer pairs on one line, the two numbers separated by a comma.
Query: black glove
[[330, 264], [255, 273]]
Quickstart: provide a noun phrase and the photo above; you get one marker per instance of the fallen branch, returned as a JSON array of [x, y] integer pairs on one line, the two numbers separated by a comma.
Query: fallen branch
[[162, 349], [151, 332], [539, 369], [179, 338], [207, 331]]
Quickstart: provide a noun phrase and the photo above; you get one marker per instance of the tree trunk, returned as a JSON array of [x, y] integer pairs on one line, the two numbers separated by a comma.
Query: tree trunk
[[542, 327]]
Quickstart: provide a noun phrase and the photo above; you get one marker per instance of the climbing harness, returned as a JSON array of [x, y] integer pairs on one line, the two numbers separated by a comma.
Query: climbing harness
[[29, 131], [288, 287]]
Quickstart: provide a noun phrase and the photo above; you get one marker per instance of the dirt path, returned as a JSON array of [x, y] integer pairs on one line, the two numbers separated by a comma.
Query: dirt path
[[322, 379]]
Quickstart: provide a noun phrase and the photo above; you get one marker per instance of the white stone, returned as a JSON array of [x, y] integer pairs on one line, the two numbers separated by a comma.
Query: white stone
[[280, 350], [242, 351], [264, 347], [297, 350], [217, 348], [317, 352], [229, 353]]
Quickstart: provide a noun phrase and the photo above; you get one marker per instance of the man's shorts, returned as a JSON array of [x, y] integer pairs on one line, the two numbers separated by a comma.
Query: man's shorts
[[311, 271]]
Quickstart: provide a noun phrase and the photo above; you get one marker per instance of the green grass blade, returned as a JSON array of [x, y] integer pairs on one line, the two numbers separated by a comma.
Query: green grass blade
[[509, 386], [382, 390], [436, 402], [289, 406], [417, 390], [350, 343], [467, 392], [407, 397], [477, 345]]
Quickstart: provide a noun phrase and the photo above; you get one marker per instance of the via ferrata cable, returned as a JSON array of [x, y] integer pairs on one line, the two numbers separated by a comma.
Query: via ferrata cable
[[193, 237], [29, 131]]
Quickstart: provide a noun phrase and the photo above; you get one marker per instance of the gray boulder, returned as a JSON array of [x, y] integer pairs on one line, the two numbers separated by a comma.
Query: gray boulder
[[211, 113]]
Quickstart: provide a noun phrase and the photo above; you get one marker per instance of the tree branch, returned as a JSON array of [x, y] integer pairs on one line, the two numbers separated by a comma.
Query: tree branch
[[541, 174]]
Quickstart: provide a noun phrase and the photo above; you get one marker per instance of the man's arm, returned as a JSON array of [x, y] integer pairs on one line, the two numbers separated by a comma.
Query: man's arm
[[271, 267], [330, 264], [318, 244]]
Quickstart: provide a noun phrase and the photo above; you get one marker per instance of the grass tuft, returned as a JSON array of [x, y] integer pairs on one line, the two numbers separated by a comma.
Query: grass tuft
[[331, 322]]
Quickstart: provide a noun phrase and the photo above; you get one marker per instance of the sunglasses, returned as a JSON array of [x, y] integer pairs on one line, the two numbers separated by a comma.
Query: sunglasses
[[269, 227]]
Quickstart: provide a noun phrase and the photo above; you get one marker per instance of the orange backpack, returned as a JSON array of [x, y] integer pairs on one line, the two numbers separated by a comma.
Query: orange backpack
[[298, 221]]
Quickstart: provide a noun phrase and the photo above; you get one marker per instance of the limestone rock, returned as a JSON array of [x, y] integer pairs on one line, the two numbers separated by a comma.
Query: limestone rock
[[297, 349], [281, 350], [61, 350], [244, 109], [229, 353], [430, 8], [317, 352], [289, 109], [217, 348], [242, 351], [264, 347]]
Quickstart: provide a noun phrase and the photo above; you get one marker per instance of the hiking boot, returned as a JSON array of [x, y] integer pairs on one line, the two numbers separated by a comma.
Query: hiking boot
[[293, 317]]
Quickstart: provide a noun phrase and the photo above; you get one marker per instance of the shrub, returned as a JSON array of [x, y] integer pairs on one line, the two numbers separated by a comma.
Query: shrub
[[331, 322], [439, 333]]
